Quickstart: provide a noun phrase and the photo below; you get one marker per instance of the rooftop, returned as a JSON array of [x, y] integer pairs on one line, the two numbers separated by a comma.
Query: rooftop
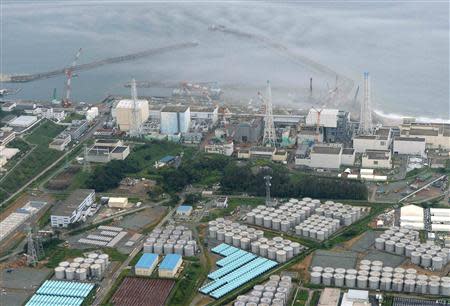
[[383, 132], [418, 139], [322, 149], [348, 151], [175, 109], [184, 208], [377, 154], [119, 149], [146, 260], [128, 103], [67, 206], [167, 159], [262, 149], [169, 262]]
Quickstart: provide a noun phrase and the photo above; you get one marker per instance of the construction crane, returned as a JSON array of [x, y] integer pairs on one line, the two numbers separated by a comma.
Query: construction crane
[[69, 73], [319, 112]]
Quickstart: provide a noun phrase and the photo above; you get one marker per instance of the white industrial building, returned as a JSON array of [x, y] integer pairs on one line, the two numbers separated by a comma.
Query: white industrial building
[[205, 113], [348, 157], [124, 113], [23, 121], [72, 209], [412, 216], [379, 159], [436, 135], [220, 148], [356, 298], [410, 146], [381, 140], [175, 119], [170, 265], [440, 219], [92, 113], [322, 156], [118, 202], [328, 117]]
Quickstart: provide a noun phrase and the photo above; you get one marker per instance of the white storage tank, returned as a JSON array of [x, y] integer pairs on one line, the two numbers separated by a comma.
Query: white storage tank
[[361, 282], [437, 263], [245, 243], [350, 280], [416, 258], [272, 253], [189, 250], [409, 285], [385, 283], [374, 283], [250, 218], [102, 264], [158, 248], [213, 232], [70, 273], [433, 288], [255, 247], [421, 287], [148, 247], [389, 246], [445, 289], [78, 260], [263, 250], [74, 265], [339, 280], [178, 249], [399, 248], [397, 284], [327, 279], [379, 244], [237, 240], [60, 272], [64, 264], [81, 274], [227, 237], [426, 260]]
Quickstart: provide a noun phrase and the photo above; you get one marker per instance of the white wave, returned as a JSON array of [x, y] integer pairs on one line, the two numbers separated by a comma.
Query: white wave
[[398, 117]]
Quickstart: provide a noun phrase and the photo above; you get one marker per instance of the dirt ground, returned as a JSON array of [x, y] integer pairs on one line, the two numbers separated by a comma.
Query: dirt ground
[[302, 267], [24, 199], [139, 189]]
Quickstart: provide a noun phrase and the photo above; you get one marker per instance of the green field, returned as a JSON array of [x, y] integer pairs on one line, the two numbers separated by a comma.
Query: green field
[[40, 158]]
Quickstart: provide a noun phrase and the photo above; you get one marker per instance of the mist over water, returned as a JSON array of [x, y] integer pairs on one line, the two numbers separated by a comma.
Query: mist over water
[[404, 46]]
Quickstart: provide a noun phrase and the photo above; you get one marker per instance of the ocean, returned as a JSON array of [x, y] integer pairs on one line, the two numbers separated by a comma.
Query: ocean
[[403, 44]]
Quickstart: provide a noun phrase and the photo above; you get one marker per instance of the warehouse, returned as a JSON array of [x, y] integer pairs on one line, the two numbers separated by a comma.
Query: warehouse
[[124, 114], [23, 121], [170, 265], [184, 210], [410, 146], [356, 298], [116, 202], [412, 216], [146, 264], [175, 119], [380, 159], [72, 209]]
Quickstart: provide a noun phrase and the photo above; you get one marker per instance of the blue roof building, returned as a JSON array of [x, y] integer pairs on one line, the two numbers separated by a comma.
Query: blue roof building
[[146, 264], [170, 265], [184, 210]]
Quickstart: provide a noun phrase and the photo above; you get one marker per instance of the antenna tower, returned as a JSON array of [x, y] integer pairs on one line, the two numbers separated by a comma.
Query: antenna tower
[[269, 139], [365, 118], [135, 123], [34, 248]]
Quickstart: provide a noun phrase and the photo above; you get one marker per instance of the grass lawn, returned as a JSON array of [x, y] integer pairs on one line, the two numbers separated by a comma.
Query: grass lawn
[[315, 298], [301, 298], [41, 157]]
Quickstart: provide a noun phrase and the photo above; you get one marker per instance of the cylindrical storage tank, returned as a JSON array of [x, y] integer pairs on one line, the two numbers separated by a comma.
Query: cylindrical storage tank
[[267, 221], [158, 248], [422, 277], [105, 257], [259, 234], [327, 279], [389, 246], [78, 260], [320, 235], [102, 264], [347, 219], [433, 288], [426, 260], [60, 272], [374, 283], [276, 223], [296, 247], [313, 233], [397, 284], [415, 258], [279, 246], [399, 248], [387, 269], [339, 271], [379, 244], [81, 274], [250, 218], [87, 267], [70, 273], [75, 265], [434, 278], [289, 252], [421, 287], [93, 256], [351, 272], [411, 276], [364, 268], [399, 270], [376, 268], [377, 263], [409, 285], [89, 261], [409, 249], [213, 232], [281, 256], [237, 240], [363, 273], [263, 250], [385, 284], [64, 264], [189, 250], [375, 274], [350, 280], [445, 289], [245, 243], [272, 253], [437, 263], [255, 247], [339, 280], [316, 278], [328, 270], [361, 282], [178, 249], [284, 226], [317, 269], [227, 237], [259, 219], [168, 248]]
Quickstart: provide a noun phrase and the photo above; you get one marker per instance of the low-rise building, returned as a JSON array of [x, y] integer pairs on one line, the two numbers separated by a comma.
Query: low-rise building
[[8, 106], [356, 298], [60, 143], [348, 157], [146, 264], [72, 209], [165, 161], [243, 153], [280, 156], [381, 140], [53, 114], [170, 265], [222, 202], [105, 150], [184, 210], [324, 156], [23, 121], [380, 159], [77, 128], [218, 147], [437, 135], [118, 202], [262, 152], [412, 216], [410, 146]]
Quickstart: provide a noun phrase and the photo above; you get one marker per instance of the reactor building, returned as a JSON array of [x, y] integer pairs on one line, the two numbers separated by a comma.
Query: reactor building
[[175, 119], [126, 110]]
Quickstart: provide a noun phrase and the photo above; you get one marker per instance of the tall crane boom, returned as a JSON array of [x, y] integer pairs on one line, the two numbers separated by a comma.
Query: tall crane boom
[[69, 73]]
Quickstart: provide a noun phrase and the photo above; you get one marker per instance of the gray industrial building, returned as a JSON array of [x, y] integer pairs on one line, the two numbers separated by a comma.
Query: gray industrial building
[[247, 132]]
